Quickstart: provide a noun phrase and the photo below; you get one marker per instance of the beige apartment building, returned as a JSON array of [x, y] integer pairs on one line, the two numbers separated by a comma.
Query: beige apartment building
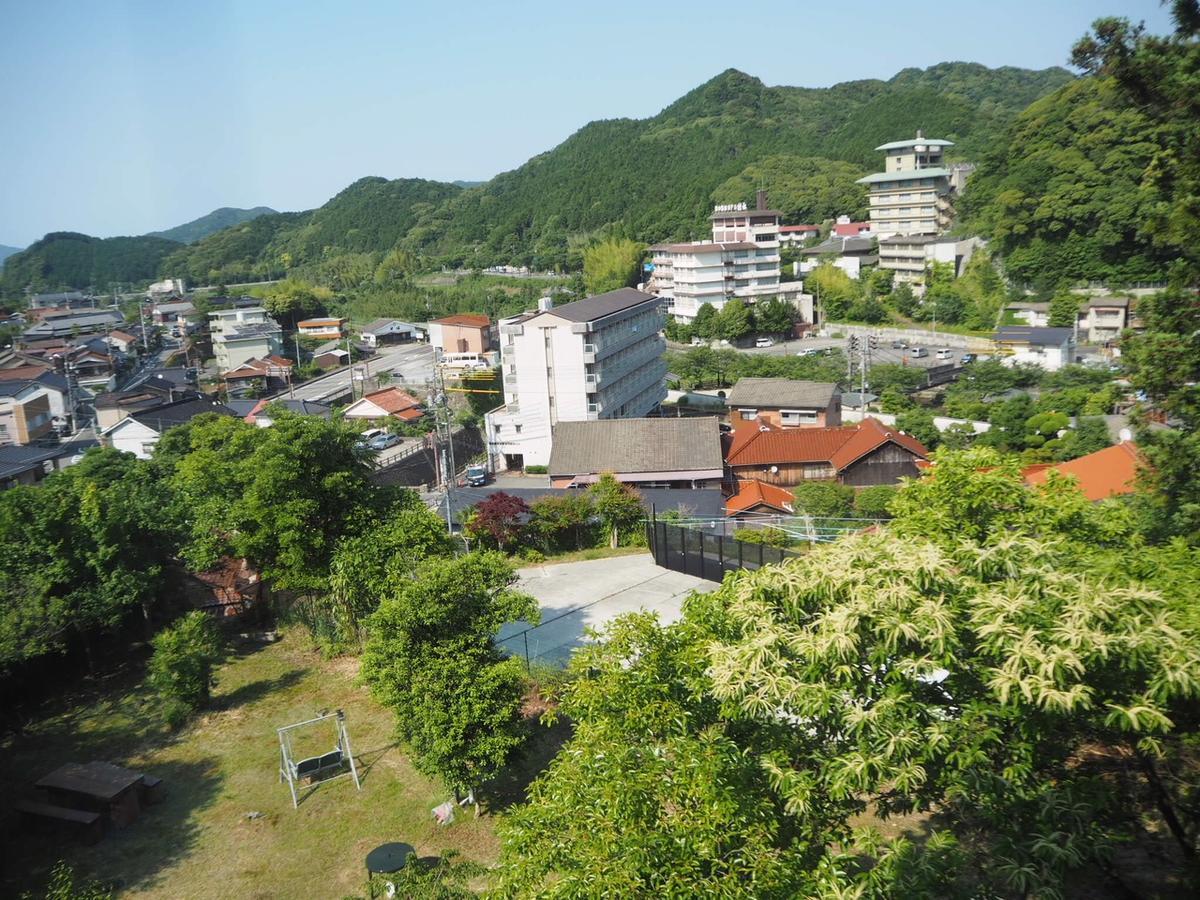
[[912, 195]]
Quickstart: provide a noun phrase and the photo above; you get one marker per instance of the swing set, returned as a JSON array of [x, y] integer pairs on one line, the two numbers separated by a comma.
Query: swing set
[[321, 767]]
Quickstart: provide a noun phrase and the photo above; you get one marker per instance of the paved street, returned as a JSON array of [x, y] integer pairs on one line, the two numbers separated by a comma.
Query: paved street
[[409, 364], [579, 595]]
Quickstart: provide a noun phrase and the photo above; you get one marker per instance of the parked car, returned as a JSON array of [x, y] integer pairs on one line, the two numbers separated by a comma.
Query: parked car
[[899, 345], [476, 476], [764, 342], [967, 358], [383, 441], [945, 353], [811, 351], [918, 352]]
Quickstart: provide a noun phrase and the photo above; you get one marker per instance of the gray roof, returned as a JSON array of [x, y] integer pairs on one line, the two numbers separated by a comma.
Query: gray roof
[[1122, 302], [249, 330], [912, 142], [1046, 337], [1035, 305], [380, 324], [909, 239], [781, 393], [300, 407], [592, 308], [843, 245], [636, 445], [906, 175], [15, 460], [163, 417], [705, 246]]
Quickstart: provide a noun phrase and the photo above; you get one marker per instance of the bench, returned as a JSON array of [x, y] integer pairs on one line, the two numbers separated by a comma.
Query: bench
[[87, 824], [317, 766], [153, 790]]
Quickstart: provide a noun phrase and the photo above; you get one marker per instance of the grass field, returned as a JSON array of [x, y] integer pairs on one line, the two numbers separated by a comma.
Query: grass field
[[200, 842]]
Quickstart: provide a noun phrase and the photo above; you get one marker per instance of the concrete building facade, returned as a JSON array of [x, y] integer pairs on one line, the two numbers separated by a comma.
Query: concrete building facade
[[912, 195], [597, 358]]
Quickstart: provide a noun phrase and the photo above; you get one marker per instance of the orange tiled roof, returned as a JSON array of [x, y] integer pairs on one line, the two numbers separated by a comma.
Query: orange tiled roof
[[474, 319], [752, 493], [394, 401], [1106, 473], [840, 446]]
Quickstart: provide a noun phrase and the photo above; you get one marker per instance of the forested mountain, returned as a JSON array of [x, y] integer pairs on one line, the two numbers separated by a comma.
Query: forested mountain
[[224, 217], [651, 179], [1067, 195], [7, 251], [64, 259]]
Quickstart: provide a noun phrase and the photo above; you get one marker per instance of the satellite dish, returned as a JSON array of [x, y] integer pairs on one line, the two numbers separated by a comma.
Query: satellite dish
[[774, 470]]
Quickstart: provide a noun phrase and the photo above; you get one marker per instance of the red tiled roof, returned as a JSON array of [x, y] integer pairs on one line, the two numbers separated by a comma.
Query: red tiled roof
[[259, 368], [1106, 473], [121, 335], [395, 402], [839, 446], [754, 493], [23, 373], [850, 229], [316, 322], [473, 319], [282, 361]]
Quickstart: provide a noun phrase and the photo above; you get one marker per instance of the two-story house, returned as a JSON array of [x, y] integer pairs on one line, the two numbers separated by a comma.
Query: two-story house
[[783, 403]]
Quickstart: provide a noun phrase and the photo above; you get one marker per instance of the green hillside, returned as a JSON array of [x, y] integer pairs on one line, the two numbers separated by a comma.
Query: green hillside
[[7, 251], [64, 259], [202, 227], [1065, 195], [651, 179]]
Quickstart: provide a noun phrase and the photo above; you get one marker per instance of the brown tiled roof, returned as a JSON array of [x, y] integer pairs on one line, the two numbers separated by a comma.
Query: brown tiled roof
[[781, 393], [23, 373], [754, 493], [473, 319], [1106, 473], [394, 401], [636, 445], [319, 322], [839, 446]]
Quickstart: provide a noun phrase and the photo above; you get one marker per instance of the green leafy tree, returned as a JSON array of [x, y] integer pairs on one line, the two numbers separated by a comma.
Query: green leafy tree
[[432, 660], [1064, 310], [824, 499], [803, 189], [834, 290], [617, 506], [707, 324], [611, 264], [776, 316], [873, 502], [293, 298], [561, 521], [735, 320], [918, 422], [181, 668]]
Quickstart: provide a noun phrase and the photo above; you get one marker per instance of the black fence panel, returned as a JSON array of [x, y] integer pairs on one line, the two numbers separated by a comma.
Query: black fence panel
[[707, 556]]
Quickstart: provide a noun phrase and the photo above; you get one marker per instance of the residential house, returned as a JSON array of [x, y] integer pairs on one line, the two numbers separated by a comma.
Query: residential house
[[142, 396], [1111, 472], [597, 358], [55, 386], [843, 227], [25, 465], [168, 287], [740, 262], [326, 328], [139, 432], [262, 412], [236, 344], [461, 333], [868, 453], [913, 194], [1049, 348], [72, 325], [63, 300], [25, 416], [271, 373], [123, 342], [1033, 313], [172, 312], [331, 358], [384, 404], [795, 235], [783, 403], [850, 254], [1102, 319], [676, 453], [754, 497], [389, 331]]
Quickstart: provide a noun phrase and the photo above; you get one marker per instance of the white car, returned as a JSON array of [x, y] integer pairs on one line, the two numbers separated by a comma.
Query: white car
[[810, 351], [764, 342], [945, 353]]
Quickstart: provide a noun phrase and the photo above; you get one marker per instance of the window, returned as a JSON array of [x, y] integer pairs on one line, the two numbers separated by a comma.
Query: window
[[748, 415], [798, 416], [516, 428]]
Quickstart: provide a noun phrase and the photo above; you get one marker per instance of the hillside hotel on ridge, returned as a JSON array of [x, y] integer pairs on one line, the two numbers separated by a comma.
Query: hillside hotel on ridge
[[912, 193], [597, 358]]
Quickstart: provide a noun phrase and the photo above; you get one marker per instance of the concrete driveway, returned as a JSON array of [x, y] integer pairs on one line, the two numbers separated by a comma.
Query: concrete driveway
[[579, 595]]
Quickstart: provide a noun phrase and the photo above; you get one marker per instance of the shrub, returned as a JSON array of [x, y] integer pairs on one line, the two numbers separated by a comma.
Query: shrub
[[63, 886], [824, 499], [531, 555], [182, 664], [872, 502], [772, 537], [536, 470]]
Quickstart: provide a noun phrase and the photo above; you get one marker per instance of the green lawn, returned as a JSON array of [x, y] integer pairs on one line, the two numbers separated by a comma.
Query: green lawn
[[200, 843]]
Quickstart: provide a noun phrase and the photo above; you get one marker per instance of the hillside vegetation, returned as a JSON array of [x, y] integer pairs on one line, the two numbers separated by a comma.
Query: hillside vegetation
[[647, 180], [224, 217], [64, 259]]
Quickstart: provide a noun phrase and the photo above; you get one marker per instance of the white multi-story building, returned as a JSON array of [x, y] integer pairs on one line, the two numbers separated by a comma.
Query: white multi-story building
[[912, 195], [741, 260], [909, 255], [598, 358]]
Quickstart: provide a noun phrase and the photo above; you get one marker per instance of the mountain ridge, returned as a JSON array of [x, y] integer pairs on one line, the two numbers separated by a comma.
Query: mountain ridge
[[202, 227]]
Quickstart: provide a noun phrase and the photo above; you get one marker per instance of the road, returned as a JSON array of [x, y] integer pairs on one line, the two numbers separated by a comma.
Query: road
[[410, 364]]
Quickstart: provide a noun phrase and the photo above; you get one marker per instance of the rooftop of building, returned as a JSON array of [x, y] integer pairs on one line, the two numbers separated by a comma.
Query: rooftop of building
[[919, 140], [906, 175], [636, 445], [778, 393], [752, 492], [475, 320], [839, 446], [842, 245], [1106, 473], [1033, 335], [591, 309], [704, 246]]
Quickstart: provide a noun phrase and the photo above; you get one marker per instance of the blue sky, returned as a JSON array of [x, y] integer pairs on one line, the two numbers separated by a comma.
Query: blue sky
[[125, 117]]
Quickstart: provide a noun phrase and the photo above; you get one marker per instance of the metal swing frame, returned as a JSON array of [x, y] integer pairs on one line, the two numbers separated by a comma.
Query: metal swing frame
[[292, 770]]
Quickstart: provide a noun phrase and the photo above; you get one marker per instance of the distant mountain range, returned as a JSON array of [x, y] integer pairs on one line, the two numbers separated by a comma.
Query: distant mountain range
[[653, 179], [202, 227], [7, 251]]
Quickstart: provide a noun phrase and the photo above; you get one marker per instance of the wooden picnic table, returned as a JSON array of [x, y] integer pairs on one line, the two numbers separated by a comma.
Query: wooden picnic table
[[99, 787]]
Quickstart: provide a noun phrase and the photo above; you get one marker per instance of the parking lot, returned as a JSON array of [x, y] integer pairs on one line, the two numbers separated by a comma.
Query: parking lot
[[883, 353]]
